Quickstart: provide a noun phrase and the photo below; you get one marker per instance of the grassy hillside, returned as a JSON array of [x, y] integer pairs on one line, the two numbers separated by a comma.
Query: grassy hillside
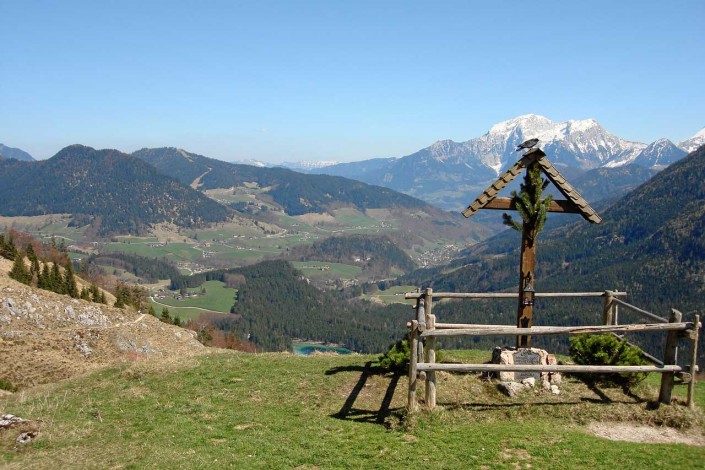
[[238, 410]]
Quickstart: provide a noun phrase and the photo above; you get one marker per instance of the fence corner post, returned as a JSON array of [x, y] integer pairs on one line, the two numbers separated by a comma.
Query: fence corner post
[[693, 359], [669, 358], [607, 311], [413, 362]]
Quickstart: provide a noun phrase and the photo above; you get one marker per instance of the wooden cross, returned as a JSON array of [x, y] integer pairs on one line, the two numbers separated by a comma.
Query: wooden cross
[[573, 203]]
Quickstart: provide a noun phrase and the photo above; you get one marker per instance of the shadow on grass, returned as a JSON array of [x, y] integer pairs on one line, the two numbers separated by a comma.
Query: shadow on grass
[[591, 384], [379, 416]]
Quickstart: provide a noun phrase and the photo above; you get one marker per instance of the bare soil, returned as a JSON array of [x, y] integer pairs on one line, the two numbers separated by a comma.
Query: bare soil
[[46, 337], [645, 434]]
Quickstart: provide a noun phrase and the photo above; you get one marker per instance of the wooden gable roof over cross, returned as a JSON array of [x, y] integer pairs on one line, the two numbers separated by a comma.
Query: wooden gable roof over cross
[[574, 202]]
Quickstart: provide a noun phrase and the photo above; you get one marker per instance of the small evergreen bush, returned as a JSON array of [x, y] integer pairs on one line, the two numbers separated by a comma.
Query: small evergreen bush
[[397, 357], [607, 350]]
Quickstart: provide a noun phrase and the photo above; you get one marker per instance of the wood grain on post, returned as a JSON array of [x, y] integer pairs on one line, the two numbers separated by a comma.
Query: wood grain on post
[[431, 375], [413, 362], [496, 330], [572, 368], [669, 358], [693, 358], [607, 309]]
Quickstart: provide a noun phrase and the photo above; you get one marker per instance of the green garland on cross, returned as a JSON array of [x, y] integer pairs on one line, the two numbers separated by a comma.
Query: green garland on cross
[[532, 208]]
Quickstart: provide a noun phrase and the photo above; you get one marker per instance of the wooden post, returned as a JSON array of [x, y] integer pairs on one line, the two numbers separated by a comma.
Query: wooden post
[[607, 311], [431, 375], [430, 350], [669, 358], [693, 358], [527, 267], [413, 362]]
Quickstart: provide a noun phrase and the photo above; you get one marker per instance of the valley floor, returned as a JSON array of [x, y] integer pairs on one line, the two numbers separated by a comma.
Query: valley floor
[[238, 410]]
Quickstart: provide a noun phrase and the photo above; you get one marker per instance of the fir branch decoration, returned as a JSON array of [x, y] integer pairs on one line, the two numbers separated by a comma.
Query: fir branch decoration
[[532, 208]]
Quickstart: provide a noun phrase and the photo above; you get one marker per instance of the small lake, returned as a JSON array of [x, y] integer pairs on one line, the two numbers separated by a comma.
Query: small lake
[[304, 349]]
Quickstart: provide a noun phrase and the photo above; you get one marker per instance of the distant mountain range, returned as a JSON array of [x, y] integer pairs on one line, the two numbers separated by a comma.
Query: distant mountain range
[[17, 154], [120, 193], [115, 192], [296, 192], [450, 174]]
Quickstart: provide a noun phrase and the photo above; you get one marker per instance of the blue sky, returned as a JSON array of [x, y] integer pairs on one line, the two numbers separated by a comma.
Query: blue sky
[[344, 80]]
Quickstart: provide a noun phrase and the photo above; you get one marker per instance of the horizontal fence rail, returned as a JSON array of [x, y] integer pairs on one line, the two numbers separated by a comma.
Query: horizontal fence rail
[[493, 330], [573, 368], [506, 295]]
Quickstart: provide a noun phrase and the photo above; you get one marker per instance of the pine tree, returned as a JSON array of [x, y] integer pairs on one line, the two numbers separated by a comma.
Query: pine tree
[[95, 294], [177, 321], [19, 271], [56, 281], [43, 281], [7, 247], [33, 260], [151, 310], [166, 318], [70, 280]]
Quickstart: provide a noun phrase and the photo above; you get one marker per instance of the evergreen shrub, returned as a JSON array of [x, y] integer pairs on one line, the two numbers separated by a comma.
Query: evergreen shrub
[[607, 350]]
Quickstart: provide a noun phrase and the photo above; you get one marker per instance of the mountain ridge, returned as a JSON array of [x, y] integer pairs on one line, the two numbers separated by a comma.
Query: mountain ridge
[[449, 174], [114, 191], [15, 153]]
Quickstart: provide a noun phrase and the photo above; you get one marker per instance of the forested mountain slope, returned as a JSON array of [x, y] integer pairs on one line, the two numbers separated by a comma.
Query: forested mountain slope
[[275, 304], [297, 193], [118, 192]]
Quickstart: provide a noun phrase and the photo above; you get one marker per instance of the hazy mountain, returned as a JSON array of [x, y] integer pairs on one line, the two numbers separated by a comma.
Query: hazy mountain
[[17, 154], [659, 154], [307, 165], [690, 144], [297, 193], [293, 193], [116, 192]]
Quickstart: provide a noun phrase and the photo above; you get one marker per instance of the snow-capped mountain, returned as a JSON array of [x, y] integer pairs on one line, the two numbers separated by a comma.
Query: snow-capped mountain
[[308, 165], [252, 162], [659, 154], [694, 142], [446, 172]]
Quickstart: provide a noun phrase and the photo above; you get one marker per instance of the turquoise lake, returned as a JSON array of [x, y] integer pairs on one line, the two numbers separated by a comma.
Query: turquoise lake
[[304, 349]]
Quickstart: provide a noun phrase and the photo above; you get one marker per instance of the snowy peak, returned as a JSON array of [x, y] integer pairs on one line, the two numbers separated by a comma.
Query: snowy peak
[[308, 165], [659, 154], [523, 123], [252, 162], [694, 142]]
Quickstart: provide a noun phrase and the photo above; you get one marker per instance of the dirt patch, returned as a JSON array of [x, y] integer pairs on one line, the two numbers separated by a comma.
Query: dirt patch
[[314, 218], [46, 337], [645, 434]]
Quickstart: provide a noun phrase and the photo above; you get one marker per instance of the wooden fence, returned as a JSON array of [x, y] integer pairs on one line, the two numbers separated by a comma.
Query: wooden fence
[[425, 330]]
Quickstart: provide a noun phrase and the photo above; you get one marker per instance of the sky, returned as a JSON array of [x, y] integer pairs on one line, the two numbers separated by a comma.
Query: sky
[[340, 80]]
